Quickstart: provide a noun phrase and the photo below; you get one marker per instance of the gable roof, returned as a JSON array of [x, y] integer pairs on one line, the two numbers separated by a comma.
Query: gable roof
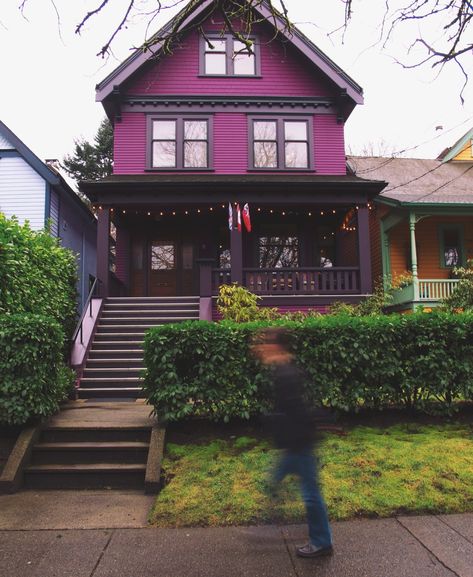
[[295, 36], [51, 176], [417, 182], [29, 156], [459, 146]]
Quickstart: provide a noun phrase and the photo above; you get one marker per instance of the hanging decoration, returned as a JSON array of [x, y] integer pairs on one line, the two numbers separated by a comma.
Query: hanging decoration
[[246, 217], [230, 216], [238, 217]]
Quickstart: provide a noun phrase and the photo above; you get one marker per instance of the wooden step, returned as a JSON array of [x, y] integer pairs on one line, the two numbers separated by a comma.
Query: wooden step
[[85, 476], [74, 453], [109, 392]]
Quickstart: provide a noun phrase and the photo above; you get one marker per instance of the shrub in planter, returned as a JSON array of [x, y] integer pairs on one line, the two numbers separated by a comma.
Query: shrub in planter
[[33, 377]]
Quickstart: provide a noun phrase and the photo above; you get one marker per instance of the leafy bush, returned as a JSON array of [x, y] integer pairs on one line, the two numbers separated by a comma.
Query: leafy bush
[[462, 297], [419, 361], [37, 275], [238, 304], [203, 368], [371, 306], [33, 377]]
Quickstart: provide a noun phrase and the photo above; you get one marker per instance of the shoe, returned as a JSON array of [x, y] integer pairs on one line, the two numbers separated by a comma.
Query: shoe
[[311, 551]]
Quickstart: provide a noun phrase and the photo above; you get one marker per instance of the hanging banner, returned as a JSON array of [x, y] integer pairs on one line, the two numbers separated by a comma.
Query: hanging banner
[[238, 218], [246, 217], [230, 216]]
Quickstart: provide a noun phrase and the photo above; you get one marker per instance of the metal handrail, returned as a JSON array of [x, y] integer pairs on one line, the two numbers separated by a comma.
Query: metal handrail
[[88, 303]]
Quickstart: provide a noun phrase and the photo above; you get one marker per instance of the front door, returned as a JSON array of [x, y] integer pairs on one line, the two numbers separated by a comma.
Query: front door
[[171, 267]]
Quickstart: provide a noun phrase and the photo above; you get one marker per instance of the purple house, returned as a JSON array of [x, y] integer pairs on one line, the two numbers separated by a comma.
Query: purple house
[[211, 129]]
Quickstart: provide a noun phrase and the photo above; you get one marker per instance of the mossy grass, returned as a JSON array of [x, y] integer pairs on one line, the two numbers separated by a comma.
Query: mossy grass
[[408, 468]]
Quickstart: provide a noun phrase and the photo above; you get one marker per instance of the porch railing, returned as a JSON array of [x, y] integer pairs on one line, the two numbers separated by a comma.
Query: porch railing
[[300, 281], [436, 289]]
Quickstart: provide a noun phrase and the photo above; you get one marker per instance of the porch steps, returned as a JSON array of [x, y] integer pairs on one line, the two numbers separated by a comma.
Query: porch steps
[[83, 448], [115, 361]]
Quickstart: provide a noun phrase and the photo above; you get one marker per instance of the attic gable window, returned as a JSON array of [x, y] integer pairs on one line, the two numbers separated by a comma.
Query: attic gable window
[[227, 56], [180, 143]]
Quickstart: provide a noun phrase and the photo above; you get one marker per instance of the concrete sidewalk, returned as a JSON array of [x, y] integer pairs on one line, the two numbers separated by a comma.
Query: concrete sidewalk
[[104, 534]]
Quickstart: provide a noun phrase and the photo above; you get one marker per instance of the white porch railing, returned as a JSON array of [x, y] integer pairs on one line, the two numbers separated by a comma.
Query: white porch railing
[[436, 289]]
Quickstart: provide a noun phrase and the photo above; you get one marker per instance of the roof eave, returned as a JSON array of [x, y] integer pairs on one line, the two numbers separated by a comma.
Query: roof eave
[[298, 39]]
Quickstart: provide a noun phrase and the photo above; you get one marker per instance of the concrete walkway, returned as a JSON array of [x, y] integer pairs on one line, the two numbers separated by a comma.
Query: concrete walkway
[[104, 534]]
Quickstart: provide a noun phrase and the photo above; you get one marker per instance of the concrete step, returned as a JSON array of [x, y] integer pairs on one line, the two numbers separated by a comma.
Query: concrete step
[[112, 373], [121, 336], [95, 434], [155, 313], [148, 300], [87, 392], [75, 453], [85, 476], [113, 363], [142, 321], [114, 346]]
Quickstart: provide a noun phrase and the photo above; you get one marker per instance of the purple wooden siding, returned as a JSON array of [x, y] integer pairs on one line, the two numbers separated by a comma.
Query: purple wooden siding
[[130, 144], [284, 72], [329, 145], [230, 144]]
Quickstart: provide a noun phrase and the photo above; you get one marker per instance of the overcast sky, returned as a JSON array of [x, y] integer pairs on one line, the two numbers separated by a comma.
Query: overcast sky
[[48, 75]]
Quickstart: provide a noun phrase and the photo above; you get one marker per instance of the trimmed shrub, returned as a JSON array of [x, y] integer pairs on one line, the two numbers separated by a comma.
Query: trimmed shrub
[[33, 377], [420, 361], [203, 369], [37, 275]]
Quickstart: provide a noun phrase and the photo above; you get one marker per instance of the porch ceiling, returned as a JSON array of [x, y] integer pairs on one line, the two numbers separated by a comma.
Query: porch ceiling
[[261, 188]]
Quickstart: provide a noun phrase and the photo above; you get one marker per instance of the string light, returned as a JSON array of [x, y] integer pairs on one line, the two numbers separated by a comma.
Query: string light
[[310, 214], [149, 214], [124, 211]]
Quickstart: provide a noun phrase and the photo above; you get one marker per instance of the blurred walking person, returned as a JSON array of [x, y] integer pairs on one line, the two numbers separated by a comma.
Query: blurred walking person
[[293, 429]]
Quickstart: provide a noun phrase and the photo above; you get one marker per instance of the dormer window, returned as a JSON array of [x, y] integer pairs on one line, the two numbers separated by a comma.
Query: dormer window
[[227, 56]]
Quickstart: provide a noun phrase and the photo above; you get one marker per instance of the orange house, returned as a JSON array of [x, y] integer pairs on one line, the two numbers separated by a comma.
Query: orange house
[[422, 223]]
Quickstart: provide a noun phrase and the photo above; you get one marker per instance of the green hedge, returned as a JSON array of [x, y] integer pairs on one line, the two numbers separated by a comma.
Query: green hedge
[[37, 275], [33, 377], [420, 361]]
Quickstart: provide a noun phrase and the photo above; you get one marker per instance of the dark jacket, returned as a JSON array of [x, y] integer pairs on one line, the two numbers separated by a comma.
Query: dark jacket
[[292, 425]]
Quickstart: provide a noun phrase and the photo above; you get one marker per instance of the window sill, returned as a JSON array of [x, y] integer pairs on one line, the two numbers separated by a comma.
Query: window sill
[[279, 170], [179, 170], [229, 76]]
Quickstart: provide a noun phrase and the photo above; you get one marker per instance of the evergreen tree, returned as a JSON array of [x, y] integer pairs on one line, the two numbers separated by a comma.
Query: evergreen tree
[[92, 161]]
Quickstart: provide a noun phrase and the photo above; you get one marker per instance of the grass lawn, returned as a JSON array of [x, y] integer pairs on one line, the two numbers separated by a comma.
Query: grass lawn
[[406, 468]]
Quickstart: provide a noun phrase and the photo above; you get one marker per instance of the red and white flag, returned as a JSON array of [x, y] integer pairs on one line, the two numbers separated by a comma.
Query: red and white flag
[[238, 218], [246, 217], [230, 216]]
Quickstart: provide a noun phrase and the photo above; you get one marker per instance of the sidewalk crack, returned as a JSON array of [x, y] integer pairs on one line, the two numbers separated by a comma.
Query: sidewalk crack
[[289, 552], [102, 553], [455, 530], [427, 549]]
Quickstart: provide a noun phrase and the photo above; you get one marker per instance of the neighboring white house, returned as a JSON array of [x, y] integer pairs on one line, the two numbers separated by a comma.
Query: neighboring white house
[[35, 192]]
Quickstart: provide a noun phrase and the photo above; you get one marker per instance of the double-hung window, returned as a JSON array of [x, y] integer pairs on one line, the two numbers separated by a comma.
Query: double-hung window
[[227, 56], [451, 246], [280, 143], [180, 143]]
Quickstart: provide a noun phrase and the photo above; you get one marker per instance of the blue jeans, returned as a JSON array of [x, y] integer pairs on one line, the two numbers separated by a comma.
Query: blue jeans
[[303, 464]]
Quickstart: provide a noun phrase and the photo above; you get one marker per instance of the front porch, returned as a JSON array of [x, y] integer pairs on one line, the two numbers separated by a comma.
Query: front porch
[[309, 242], [421, 247]]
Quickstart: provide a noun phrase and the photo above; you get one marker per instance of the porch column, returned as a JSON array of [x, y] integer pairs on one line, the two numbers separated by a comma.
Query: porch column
[[236, 249], [364, 250], [103, 251], [205, 276], [415, 278], [385, 255]]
